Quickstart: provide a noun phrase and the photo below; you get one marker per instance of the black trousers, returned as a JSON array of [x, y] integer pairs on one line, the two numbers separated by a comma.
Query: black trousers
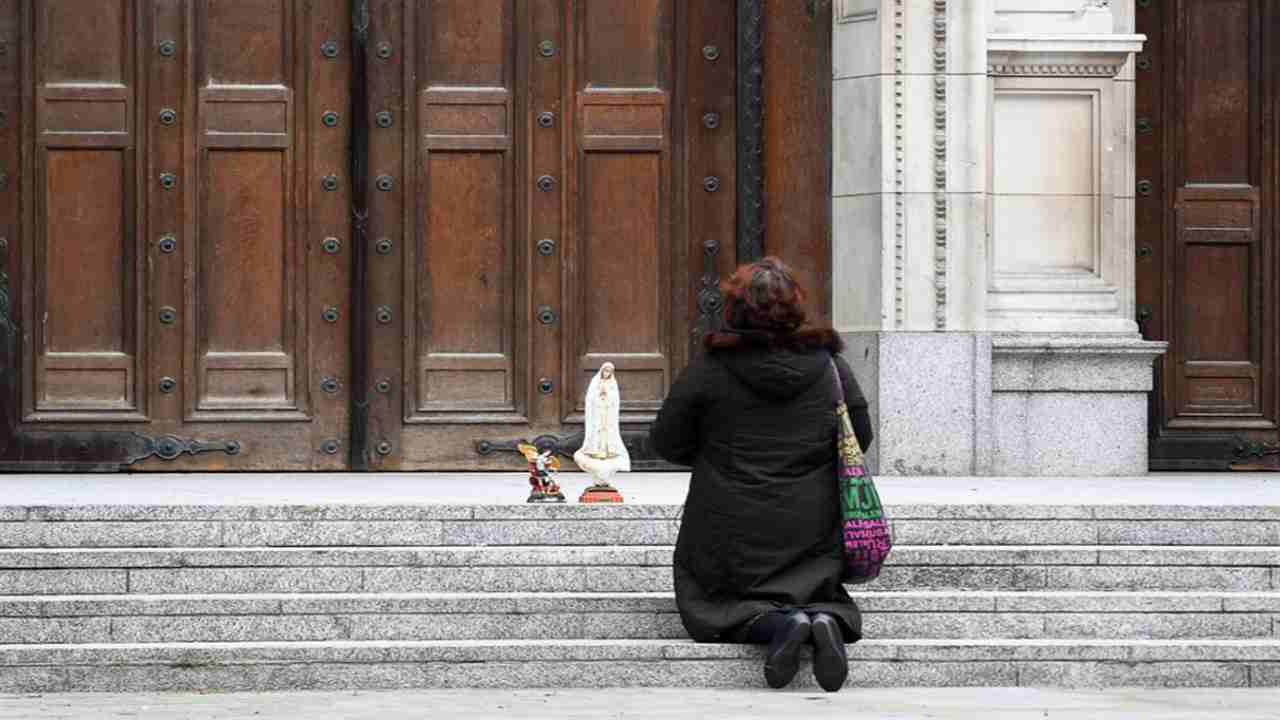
[[761, 629]]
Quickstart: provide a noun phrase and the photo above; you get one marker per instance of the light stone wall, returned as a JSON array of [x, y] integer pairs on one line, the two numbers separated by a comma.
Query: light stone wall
[[983, 233]]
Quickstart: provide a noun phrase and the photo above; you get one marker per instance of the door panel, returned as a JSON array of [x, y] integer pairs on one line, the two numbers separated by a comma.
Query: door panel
[[86, 349], [1206, 233], [545, 224], [173, 278]]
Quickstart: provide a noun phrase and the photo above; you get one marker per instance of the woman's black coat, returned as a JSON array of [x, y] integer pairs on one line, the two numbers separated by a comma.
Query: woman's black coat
[[761, 525]]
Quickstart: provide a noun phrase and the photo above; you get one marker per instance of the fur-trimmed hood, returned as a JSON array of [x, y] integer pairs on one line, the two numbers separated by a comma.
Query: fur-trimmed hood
[[801, 340], [776, 365]]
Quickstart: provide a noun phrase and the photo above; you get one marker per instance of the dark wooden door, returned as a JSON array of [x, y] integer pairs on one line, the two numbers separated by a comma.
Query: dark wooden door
[[233, 229], [178, 200], [553, 171], [1207, 227]]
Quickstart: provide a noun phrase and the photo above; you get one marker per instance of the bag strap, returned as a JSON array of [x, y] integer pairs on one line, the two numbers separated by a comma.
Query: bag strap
[[839, 385]]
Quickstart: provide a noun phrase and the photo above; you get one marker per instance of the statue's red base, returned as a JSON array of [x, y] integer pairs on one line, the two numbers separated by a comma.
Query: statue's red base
[[546, 497], [600, 494]]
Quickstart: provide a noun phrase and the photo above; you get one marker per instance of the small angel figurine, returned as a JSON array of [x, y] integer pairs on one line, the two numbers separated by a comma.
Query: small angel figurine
[[603, 453], [542, 469]]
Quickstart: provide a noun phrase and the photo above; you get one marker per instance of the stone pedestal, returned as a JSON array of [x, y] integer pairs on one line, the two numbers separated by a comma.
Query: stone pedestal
[[1007, 404], [1070, 405]]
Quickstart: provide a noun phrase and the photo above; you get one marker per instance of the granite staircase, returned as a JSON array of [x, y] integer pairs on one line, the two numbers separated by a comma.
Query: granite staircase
[[259, 596]]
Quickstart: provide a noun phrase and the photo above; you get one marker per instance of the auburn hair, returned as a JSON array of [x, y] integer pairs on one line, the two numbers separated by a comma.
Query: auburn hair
[[764, 305]]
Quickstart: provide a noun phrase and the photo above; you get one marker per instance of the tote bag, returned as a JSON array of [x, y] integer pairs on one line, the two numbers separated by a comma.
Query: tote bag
[[865, 529]]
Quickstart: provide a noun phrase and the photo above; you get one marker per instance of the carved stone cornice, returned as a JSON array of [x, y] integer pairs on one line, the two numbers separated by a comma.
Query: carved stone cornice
[[1029, 70], [1010, 55]]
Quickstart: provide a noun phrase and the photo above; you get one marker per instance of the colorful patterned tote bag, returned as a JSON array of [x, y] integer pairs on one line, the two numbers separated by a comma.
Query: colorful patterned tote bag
[[866, 531]]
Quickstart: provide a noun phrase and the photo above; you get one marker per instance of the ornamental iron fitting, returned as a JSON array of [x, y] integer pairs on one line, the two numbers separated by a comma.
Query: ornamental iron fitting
[[636, 442], [171, 447], [710, 301]]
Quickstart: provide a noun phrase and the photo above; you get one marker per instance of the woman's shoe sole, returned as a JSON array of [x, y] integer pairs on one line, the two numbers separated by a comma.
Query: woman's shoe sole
[[830, 663], [781, 666]]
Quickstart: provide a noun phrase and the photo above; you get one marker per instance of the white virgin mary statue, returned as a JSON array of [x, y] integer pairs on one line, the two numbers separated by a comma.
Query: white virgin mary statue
[[603, 455]]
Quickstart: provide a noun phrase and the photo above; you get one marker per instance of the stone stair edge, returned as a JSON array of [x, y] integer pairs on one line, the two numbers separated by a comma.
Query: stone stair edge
[[374, 651], [38, 558], [418, 512], [232, 607], [285, 604]]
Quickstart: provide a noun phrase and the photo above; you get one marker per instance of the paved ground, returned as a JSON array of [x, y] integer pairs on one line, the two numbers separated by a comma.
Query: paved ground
[[879, 704], [638, 488]]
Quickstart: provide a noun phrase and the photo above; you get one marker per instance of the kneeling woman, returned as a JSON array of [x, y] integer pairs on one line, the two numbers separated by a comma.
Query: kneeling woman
[[758, 559]]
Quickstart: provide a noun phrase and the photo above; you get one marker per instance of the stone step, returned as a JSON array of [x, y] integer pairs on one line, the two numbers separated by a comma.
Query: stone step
[[615, 555], [124, 526], [585, 616], [333, 665], [608, 569]]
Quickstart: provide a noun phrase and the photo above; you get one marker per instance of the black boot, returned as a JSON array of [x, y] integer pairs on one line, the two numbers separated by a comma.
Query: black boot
[[783, 658], [830, 663]]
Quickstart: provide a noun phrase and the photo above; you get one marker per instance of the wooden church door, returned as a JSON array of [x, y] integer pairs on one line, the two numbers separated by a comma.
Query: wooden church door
[[377, 234]]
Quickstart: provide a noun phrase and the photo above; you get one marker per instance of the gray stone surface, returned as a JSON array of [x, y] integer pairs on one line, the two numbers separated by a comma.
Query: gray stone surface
[[1158, 578], [994, 532], [57, 582], [1265, 675], [435, 496], [363, 532], [229, 628], [619, 556], [125, 605], [1252, 602], [993, 581], [862, 700], [1069, 433], [925, 382], [109, 534], [246, 580], [29, 680], [1153, 626], [924, 601], [1191, 556], [886, 601], [20, 607], [962, 578], [55, 630], [1058, 374], [625, 663], [558, 626], [561, 532], [1113, 602], [372, 556], [518, 579], [952, 625], [979, 508], [1124, 674], [1161, 532], [992, 555]]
